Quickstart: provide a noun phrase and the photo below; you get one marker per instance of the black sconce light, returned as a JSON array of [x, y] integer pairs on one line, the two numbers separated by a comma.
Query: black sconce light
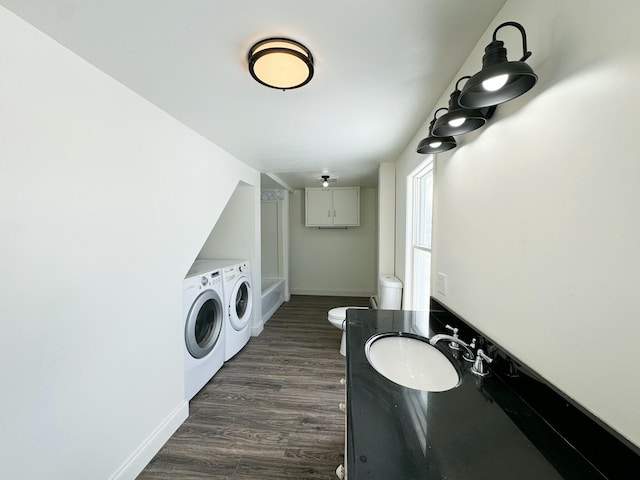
[[499, 80], [459, 120], [433, 143]]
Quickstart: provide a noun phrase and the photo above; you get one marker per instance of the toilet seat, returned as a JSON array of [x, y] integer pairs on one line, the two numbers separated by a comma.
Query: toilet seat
[[339, 314], [337, 317]]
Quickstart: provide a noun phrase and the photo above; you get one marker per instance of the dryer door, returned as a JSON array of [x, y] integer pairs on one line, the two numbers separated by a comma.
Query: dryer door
[[241, 303], [204, 324]]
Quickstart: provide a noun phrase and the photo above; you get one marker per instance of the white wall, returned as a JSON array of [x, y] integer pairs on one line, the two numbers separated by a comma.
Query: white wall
[[270, 234], [386, 218], [333, 262], [536, 216], [234, 237], [105, 200]]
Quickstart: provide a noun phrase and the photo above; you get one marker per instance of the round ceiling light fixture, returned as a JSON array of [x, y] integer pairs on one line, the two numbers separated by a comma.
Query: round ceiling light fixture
[[280, 63]]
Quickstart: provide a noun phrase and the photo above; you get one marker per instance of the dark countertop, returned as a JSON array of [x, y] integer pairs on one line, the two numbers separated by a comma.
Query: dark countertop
[[479, 430]]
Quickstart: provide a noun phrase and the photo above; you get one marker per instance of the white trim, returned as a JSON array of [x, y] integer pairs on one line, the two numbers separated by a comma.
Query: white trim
[[139, 459], [428, 163], [256, 330], [279, 181], [333, 293]]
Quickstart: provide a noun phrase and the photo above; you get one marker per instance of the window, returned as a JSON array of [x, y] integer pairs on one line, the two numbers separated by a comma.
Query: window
[[419, 224]]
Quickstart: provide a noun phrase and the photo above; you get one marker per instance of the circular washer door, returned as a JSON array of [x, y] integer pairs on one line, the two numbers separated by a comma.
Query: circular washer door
[[241, 303], [204, 324]]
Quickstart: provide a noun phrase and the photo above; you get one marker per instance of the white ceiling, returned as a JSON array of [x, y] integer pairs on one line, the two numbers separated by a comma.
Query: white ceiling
[[379, 68]]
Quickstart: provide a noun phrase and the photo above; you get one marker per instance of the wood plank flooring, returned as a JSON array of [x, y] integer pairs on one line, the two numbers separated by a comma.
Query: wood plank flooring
[[272, 411]]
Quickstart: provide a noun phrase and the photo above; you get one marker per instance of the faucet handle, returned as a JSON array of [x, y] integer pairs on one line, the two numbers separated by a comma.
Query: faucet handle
[[484, 355], [453, 345], [479, 368]]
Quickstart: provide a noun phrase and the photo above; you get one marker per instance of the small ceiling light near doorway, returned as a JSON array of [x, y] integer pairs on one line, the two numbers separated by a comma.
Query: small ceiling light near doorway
[[280, 63], [325, 181], [499, 80]]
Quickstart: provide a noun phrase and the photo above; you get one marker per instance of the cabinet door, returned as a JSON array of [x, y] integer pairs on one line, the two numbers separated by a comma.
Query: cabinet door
[[319, 211], [346, 207]]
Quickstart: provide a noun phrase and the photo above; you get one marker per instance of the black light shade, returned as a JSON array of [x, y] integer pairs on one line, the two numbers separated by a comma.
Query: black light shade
[[434, 144], [499, 80], [459, 120], [280, 63]]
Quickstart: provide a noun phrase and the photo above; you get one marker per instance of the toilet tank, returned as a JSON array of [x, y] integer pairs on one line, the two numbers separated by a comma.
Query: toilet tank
[[390, 289]]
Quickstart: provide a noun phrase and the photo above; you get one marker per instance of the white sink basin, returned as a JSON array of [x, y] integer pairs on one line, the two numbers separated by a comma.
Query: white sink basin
[[411, 361]]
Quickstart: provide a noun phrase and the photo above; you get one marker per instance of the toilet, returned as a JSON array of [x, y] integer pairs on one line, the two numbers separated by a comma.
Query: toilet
[[390, 289], [337, 317]]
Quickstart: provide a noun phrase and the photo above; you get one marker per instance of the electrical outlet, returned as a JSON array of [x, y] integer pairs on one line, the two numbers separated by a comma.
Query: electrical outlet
[[441, 283]]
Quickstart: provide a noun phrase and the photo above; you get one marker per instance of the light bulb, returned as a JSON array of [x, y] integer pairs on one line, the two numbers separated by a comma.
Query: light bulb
[[495, 83], [435, 144], [325, 184], [456, 122]]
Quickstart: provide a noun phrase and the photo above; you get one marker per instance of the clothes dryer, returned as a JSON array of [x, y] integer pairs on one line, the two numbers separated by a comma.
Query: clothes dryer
[[204, 326], [238, 302]]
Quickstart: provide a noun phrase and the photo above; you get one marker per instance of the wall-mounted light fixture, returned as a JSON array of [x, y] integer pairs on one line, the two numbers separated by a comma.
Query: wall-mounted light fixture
[[325, 181], [469, 109], [280, 63], [499, 80], [459, 120], [433, 143]]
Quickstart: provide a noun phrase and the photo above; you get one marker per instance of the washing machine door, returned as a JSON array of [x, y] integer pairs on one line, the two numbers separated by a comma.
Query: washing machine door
[[241, 303], [204, 324]]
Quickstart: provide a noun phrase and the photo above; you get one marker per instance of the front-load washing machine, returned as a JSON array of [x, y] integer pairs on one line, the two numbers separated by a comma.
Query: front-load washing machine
[[204, 326], [238, 302]]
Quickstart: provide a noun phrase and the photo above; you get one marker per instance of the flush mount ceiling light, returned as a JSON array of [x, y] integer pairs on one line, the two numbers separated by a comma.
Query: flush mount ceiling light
[[280, 63], [459, 120], [499, 80], [433, 143], [325, 181]]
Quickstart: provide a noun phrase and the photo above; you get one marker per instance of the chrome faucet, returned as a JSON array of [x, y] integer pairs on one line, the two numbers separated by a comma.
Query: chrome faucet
[[479, 368], [455, 343]]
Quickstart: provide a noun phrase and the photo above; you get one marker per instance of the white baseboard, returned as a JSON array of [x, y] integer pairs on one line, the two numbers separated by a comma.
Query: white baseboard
[[256, 330], [139, 459], [332, 293]]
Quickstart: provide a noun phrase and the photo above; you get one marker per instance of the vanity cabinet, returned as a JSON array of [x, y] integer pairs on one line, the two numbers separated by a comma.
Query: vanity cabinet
[[332, 207], [481, 429]]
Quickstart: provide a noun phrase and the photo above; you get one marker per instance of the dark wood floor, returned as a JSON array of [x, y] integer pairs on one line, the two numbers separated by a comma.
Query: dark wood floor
[[272, 411]]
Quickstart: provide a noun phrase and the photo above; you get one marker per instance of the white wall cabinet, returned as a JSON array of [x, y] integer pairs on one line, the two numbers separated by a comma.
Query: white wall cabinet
[[332, 207]]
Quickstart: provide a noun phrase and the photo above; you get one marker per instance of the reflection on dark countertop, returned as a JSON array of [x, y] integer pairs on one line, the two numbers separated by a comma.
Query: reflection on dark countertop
[[482, 429]]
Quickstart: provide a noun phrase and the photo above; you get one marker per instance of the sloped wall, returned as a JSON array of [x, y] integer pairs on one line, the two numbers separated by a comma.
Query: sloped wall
[[234, 238], [105, 200]]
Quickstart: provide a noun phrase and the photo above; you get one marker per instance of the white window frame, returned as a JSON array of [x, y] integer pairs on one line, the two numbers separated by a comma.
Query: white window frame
[[414, 220]]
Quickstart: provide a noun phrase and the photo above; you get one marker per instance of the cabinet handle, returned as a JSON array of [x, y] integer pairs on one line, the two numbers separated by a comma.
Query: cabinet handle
[[334, 213], [329, 213]]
